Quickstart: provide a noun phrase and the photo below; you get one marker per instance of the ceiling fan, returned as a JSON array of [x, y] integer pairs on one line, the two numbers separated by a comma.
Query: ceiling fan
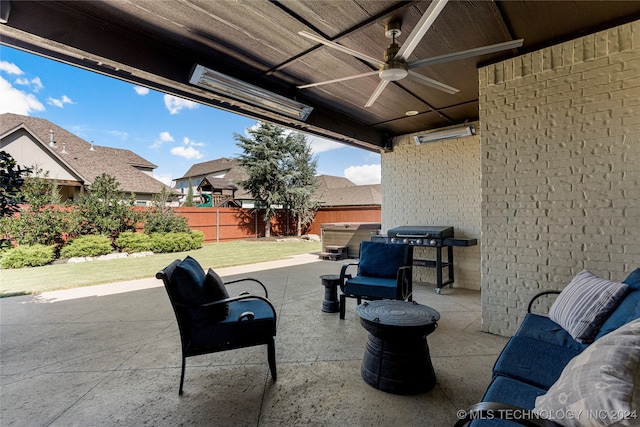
[[395, 66]]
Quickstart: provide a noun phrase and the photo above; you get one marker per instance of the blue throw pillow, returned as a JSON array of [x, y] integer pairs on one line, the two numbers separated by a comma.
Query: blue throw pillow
[[187, 281], [382, 259], [216, 291], [629, 308], [584, 305]]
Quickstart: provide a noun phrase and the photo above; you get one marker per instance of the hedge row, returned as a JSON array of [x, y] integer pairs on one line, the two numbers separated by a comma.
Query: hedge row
[[93, 245]]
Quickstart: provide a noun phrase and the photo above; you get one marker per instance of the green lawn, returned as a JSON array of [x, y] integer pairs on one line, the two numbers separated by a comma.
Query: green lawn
[[216, 255]]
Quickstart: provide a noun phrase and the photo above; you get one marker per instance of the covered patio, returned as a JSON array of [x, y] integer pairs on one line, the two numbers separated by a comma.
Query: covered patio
[[110, 355]]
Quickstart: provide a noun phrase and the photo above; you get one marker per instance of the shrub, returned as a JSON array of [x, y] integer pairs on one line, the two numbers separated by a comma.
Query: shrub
[[91, 245], [133, 242], [27, 256], [158, 222], [176, 242]]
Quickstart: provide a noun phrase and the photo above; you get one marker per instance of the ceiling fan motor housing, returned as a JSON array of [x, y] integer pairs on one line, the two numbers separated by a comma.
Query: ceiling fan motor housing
[[393, 68]]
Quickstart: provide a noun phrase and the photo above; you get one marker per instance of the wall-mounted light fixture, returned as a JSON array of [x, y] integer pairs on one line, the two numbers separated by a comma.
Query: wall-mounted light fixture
[[458, 132], [245, 92]]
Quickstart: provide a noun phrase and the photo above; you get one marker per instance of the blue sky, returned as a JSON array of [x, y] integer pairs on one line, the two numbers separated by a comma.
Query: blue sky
[[168, 131]]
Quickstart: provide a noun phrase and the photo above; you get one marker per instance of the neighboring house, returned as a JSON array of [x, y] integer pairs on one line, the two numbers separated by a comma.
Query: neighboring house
[[73, 162], [219, 178], [334, 191]]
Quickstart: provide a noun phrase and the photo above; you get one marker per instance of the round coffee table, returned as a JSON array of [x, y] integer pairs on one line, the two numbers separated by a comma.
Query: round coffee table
[[397, 359]]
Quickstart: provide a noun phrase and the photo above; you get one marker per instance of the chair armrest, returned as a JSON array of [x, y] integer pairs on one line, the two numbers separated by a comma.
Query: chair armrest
[[229, 300], [249, 279], [343, 273], [535, 297], [503, 411]]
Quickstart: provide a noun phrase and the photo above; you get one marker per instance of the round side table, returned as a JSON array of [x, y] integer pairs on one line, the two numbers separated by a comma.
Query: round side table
[[330, 283], [397, 359]]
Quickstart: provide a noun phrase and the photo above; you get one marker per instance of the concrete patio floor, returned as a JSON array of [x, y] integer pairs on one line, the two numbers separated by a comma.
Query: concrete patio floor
[[110, 355]]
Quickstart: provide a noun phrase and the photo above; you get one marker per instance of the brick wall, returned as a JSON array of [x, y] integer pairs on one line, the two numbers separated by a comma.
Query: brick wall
[[436, 184], [560, 149]]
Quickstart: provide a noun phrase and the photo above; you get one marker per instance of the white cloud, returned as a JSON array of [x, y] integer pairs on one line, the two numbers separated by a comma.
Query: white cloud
[[10, 68], [166, 137], [119, 134], [35, 84], [187, 141], [142, 91], [175, 104], [60, 102], [364, 174], [186, 152], [320, 145], [162, 138], [165, 178], [16, 101]]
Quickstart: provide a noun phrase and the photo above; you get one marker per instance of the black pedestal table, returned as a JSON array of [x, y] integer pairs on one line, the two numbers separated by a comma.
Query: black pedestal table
[[397, 359]]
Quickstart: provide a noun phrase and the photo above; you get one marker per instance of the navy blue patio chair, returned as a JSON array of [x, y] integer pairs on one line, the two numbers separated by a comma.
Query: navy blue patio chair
[[209, 320], [383, 272]]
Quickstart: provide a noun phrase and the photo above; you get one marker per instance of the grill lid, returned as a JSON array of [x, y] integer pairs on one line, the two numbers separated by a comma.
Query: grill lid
[[426, 231]]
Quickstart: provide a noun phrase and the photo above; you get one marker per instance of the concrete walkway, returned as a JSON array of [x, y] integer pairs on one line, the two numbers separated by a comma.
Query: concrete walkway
[[110, 355]]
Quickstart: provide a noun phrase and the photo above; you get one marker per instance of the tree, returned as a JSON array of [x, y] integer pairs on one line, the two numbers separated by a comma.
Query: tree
[[161, 218], [11, 181], [189, 200], [103, 209], [278, 163], [302, 184], [42, 220]]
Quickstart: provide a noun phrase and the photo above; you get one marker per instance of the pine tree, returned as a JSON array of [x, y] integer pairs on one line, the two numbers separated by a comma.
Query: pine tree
[[189, 200], [278, 163]]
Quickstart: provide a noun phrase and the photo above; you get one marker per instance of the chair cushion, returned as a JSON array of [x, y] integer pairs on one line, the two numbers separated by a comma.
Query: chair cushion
[[535, 362], [629, 308], [373, 287], [231, 333], [584, 305], [215, 288], [382, 259], [604, 378], [544, 329], [512, 392]]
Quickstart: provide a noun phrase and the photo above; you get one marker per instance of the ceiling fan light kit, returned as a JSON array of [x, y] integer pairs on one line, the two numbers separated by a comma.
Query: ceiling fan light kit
[[457, 132]]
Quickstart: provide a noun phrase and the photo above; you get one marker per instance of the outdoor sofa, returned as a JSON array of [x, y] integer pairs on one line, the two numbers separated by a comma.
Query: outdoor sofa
[[580, 365]]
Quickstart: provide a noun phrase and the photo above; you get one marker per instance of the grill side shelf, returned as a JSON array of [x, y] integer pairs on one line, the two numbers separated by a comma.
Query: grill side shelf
[[459, 242]]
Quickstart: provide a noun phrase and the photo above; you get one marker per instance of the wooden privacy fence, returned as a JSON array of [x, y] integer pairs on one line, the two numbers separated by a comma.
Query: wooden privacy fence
[[226, 224]]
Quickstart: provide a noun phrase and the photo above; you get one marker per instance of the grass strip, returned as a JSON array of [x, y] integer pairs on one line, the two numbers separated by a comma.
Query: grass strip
[[36, 280]]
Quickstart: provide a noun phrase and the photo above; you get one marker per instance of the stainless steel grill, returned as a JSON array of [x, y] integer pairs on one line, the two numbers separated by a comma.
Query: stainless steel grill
[[437, 237]]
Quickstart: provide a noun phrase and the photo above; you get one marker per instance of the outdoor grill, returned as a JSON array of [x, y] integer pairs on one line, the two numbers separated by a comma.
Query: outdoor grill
[[437, 237]]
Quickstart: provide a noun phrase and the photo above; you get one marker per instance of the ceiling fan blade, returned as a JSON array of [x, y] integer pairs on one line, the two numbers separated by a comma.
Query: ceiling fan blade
[[340, 47], [421, 28], [341, 79], [376, 93], [467, 53], [432, 83]]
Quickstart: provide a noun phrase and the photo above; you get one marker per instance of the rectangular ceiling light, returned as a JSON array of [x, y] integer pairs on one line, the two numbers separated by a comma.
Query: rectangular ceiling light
[[458, 132], [237, 89]]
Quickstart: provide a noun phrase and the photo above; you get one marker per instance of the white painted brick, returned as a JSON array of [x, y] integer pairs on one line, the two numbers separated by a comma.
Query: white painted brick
[[561, 148]]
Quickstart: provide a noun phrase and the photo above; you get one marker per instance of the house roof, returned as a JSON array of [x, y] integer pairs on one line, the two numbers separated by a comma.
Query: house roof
[[211, 167], [356, 195], [87, 163], [219, 183]]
